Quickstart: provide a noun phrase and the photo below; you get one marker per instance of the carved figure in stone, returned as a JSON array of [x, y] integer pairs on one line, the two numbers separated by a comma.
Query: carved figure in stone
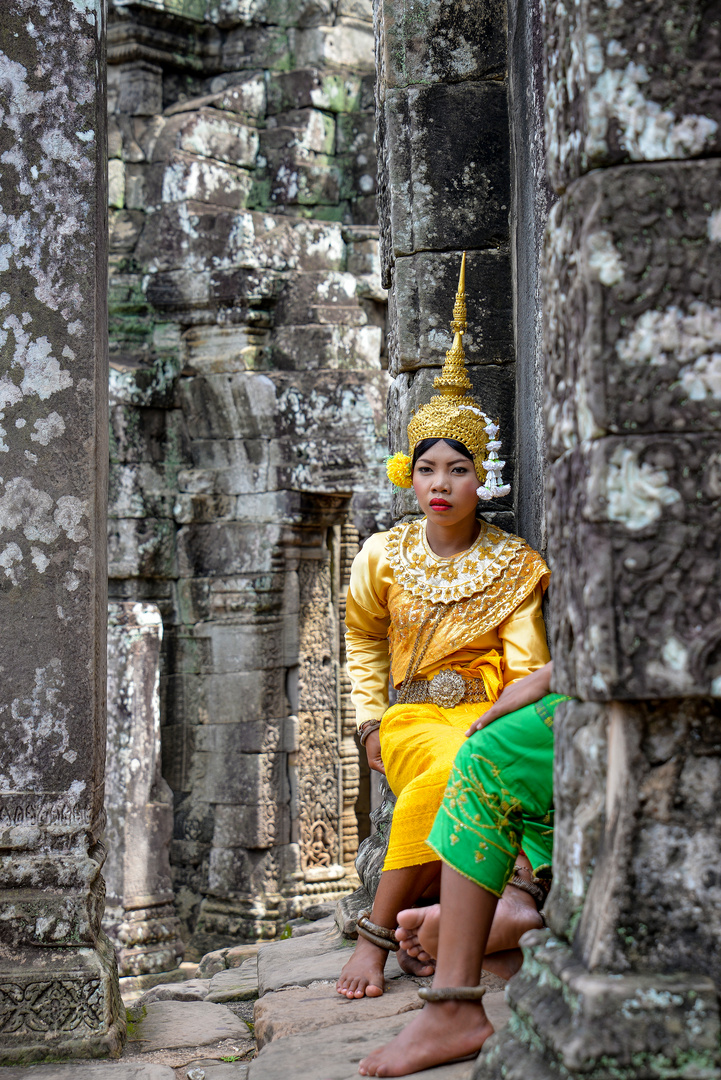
[[496, 801], [459, 600]]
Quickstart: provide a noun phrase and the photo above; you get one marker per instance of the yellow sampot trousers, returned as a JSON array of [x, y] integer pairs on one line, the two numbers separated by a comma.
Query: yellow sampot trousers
[[418, 745]]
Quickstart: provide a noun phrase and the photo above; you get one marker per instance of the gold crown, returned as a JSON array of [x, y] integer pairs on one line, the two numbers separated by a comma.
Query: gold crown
[[454, 413]]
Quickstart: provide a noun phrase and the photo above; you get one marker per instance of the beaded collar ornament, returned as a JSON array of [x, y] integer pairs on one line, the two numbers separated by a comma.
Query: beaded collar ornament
[[455, 414]]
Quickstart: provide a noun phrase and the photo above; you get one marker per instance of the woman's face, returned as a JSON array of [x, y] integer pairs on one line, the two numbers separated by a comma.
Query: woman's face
[[445, 484]]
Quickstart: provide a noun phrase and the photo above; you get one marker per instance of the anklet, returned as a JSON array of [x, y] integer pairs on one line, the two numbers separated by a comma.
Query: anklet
[[530, 887], [452, 993], [377, 935]]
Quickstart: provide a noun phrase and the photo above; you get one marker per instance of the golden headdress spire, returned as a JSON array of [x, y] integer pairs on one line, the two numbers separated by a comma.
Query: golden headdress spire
[[453, 381], [454, 414]]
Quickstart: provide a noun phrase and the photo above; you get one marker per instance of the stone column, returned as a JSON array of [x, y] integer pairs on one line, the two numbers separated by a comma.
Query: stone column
[[139, 915], [626, 981], [58, 978]]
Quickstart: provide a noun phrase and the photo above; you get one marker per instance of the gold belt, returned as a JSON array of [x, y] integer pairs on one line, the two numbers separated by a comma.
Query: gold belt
[[446, 689]]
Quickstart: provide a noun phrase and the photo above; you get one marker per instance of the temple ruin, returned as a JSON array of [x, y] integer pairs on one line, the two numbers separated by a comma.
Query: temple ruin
[[289, 188]]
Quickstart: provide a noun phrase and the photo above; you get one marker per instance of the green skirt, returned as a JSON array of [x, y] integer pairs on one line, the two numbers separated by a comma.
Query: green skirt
[[499, 798]]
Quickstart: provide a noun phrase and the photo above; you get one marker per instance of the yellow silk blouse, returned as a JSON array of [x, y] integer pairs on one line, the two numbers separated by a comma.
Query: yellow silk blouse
[[494, 628]]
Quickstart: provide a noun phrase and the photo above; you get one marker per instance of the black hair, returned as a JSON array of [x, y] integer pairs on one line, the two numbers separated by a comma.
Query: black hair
[[426, 444]]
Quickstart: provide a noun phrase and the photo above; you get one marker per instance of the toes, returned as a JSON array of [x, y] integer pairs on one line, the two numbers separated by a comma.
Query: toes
[[373, 991], [411, 918]]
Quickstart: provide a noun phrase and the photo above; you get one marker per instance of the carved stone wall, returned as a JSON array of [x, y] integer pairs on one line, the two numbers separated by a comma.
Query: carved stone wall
[[248, 390], [59, 992], [626, 981]]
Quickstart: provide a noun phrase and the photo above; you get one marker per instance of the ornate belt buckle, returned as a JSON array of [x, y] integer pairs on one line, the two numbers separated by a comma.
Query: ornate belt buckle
[[446, 689]]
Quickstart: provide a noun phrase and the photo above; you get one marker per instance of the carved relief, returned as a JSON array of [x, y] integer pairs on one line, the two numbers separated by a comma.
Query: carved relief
[[52, 1005], [318, 762]]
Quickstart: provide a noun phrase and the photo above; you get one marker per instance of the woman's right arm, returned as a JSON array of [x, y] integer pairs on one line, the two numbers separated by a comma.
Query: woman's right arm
[[366, 642]]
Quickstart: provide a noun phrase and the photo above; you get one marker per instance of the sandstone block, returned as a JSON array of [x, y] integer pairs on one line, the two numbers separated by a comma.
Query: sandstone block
[[580, 747], [421, 303], [264, 824], [235, 984], [633, 304], [139, 917], [301, 177], [298, 1012], [302, 295], [662, 773], [447, 145], [304, 87], [139, 490], [138, 88], [170, 1024], [327, 348], [629, 83], [632, 534], [307, 129], [226, 548], [441, 42], [337, 1051], [607, 1022], [235, 92], [232, 697], [190, 177], [209, 133], [103, 1070], [116, 184], [240, 779], [210, 350], [181, 233], [189, 990], [302, 961], [141, 547], [250, 48], [348, 44], [124, 227]]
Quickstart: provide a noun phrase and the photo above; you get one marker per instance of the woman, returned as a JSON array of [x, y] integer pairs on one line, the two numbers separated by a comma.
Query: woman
[[460, 602]]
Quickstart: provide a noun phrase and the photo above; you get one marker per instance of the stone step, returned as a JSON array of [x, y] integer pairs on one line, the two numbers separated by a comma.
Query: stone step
[[334, 1053], [304, 960], [236, 984], [94, 1070], [171, 1024]]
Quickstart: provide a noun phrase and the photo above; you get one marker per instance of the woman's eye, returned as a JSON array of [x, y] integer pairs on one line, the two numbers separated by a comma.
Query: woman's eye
[[460, 469]]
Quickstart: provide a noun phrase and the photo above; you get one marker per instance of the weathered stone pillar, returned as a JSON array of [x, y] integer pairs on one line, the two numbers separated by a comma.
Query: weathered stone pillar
[[58, 978], [139, 917], [626, 981]]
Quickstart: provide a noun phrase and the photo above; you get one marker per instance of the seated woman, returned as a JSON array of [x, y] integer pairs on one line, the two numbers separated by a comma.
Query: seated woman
[[497, 799], [460, 601]]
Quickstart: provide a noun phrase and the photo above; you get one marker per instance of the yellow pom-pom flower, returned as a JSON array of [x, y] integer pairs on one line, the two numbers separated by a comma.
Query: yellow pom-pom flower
[[399, 470]]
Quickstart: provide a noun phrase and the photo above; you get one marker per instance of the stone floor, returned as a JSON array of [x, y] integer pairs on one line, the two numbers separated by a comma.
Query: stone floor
[[262, 1013]]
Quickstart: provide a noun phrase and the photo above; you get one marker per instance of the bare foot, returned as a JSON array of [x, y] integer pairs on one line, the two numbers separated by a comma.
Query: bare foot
[[504, 964], [516, 913], [414, 965], [418, 932], [362, 976], [442, 1031]]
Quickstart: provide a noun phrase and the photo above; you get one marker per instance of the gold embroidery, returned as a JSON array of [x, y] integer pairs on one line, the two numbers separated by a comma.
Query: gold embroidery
[[486, 588]]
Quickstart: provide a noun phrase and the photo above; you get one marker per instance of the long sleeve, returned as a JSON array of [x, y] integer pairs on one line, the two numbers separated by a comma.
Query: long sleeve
[[523, 635], [367, 621]]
